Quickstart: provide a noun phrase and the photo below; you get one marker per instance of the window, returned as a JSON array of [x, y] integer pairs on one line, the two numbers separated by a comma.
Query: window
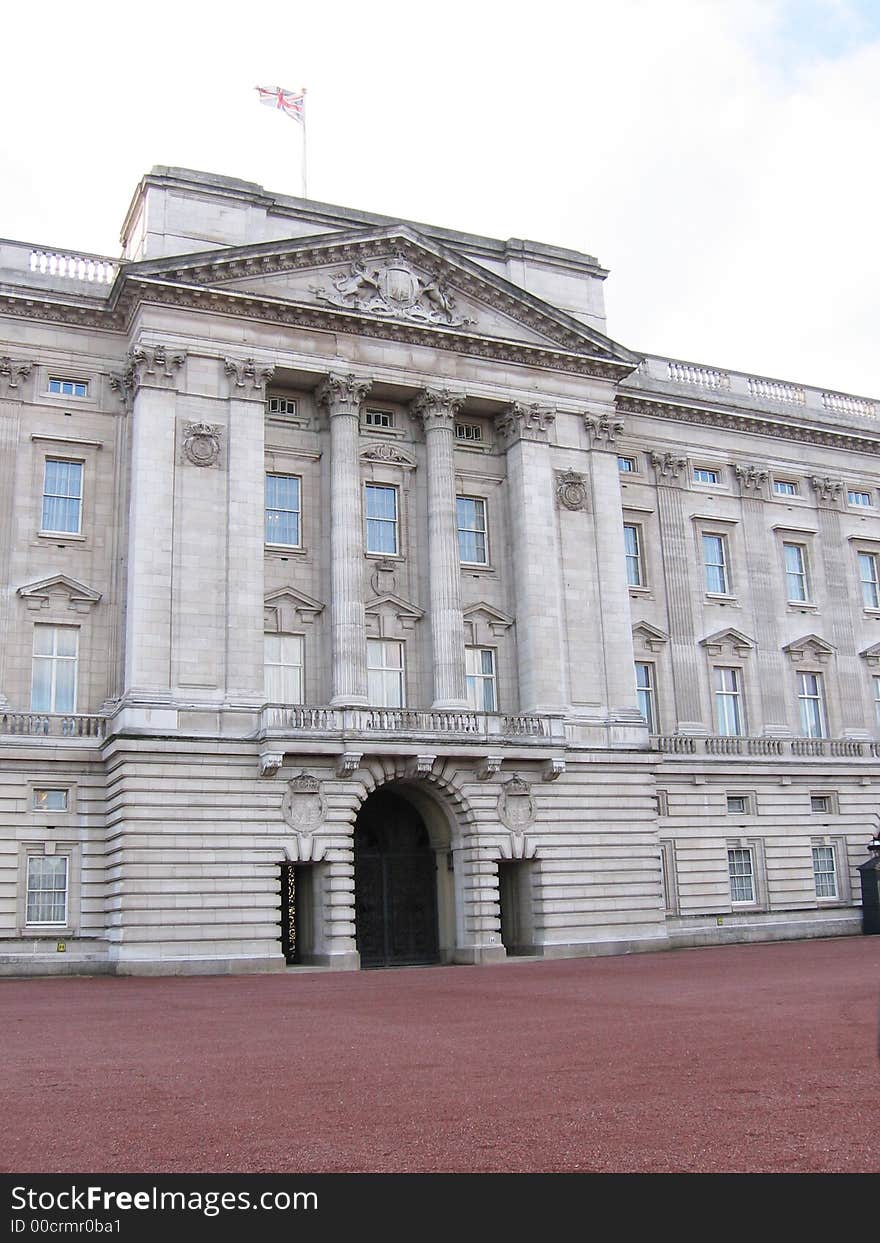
[[470, 515], [632, 543], [481, 686], [626, 465], [645, 695], [378, 418], [785, 487], [870, 580], [62, 496], [283, 510], [381, 519], [53, 677], [875, 682], [737, 804], [283, 661], [812, 703], [702, 475], [820, 803], [281, 405], [68, 388], [47, 877], [385, 673], [795, 572], [864, 499], [824, 872], [50, 800], [715, 562], [472, 432], [742, 875], [729, 715]]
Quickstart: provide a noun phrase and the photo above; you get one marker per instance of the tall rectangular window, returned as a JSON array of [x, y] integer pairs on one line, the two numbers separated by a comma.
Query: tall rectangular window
[[481, 685], [381, 507], [812, 702], [824, 872], [632, 543], [62, 496], [385, 673], [645, 694], [729, 715], [47, 879], [742, 874], [715, 563], [283, 662], [795, 572], [53, 674], [870, 580], [470, 516], [283, 510], [875, 682]]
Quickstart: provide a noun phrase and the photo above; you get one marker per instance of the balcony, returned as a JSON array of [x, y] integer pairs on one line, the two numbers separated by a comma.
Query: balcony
[[799, 748], [412, 725], [51, 725]]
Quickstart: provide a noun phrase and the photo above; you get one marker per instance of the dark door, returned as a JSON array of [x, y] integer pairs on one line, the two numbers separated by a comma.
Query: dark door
[[395, 885]]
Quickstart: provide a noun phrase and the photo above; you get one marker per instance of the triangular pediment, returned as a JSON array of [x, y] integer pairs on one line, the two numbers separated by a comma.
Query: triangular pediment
[[389, 275], [810, 647], [297, 603], [871, 655], [727, 638], [80, 598], [394, 604], [649, 636], [488, 613]]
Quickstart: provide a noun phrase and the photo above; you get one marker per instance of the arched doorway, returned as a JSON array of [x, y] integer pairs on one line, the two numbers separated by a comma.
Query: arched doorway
[[395, 884]]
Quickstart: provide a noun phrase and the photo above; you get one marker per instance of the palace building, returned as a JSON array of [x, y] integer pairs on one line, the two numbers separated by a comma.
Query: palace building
[[365, 603]]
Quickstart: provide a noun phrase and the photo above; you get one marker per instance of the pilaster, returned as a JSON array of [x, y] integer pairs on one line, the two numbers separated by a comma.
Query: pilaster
[[436, 410], [341, 395], [13, 377]]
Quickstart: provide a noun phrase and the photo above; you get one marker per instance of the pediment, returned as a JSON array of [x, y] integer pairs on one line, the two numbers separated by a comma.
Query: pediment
[[388, 275], [649, 636], [735, 640], [292, 603], [811, 647], [497, 621], [395, 604], [871, 655], [39, 595]]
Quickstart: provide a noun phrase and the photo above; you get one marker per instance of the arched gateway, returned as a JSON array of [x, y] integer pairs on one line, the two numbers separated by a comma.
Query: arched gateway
[[397, 875]]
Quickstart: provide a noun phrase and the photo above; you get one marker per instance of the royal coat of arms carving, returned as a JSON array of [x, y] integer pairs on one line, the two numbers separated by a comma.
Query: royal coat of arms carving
[[303, 804], [393, 288]]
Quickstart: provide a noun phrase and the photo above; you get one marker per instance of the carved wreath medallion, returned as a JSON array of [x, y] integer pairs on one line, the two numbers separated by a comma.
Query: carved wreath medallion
[[303, 804], [571, 490], [201, 443]]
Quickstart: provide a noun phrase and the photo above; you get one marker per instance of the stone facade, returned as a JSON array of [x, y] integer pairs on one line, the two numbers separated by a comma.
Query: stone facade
[[608, 625]]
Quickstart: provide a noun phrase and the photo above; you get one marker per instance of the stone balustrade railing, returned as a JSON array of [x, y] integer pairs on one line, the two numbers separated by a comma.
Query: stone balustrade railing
[[52, 725], [452, 724], [715, 744], [74, 267], [73, 271], [757, 392]]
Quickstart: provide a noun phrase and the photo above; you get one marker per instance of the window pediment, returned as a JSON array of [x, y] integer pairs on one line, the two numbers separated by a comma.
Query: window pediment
[[286, 606], [39, 595], [871, 655], [727, 640], [497, 621], [811, 649], [388, 611], [649, 636]]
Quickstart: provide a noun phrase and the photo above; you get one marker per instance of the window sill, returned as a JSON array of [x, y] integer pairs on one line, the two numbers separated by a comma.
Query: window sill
[[384, 556], [802, 606], [285, 550], [61, 536], [719, 598], [476, 568], [644, 592]]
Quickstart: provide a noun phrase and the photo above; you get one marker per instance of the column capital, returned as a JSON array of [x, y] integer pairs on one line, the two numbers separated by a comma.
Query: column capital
[[147, 366], [667, 465], [341, 393], [752, 479], [12, 372], [436, 406], [828, 491], [524, 422], [604, 430], [247, 378]]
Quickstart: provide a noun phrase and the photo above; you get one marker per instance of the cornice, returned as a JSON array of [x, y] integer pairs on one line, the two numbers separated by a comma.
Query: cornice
[[755, 424]]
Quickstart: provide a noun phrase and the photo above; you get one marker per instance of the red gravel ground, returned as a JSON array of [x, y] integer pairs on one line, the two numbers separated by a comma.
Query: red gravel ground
[[741, 1058]]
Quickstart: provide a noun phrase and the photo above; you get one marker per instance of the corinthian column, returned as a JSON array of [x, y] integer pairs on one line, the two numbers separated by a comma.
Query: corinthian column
[[341, 395], [436, 409]]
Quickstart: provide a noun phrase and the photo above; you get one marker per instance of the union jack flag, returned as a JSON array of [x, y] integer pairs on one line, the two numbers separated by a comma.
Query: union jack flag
[[291, 102]]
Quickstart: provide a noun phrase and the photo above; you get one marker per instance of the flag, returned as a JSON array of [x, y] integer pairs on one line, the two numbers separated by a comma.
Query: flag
[[291, 102]]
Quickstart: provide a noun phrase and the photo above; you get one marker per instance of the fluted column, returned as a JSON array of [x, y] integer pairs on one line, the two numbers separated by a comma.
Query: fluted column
[[771, 670], [436, 409], [535, 539], [13, 375], [341, 396], [841, 606], [677, 556]]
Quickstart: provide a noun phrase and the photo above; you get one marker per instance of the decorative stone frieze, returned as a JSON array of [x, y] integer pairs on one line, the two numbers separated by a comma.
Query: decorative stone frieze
[[752, 479], [668, 466], [202, 443], [393, 288], [603, 430], [248, 376], [571, 490], [524, 422], [828, 491], [388, 455], [12, 373]]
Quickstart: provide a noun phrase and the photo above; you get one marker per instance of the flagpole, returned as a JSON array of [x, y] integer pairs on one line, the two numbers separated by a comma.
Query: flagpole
[[304, 149]]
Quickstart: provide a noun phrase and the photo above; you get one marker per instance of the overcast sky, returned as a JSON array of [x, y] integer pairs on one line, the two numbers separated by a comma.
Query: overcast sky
[[719, 156]]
